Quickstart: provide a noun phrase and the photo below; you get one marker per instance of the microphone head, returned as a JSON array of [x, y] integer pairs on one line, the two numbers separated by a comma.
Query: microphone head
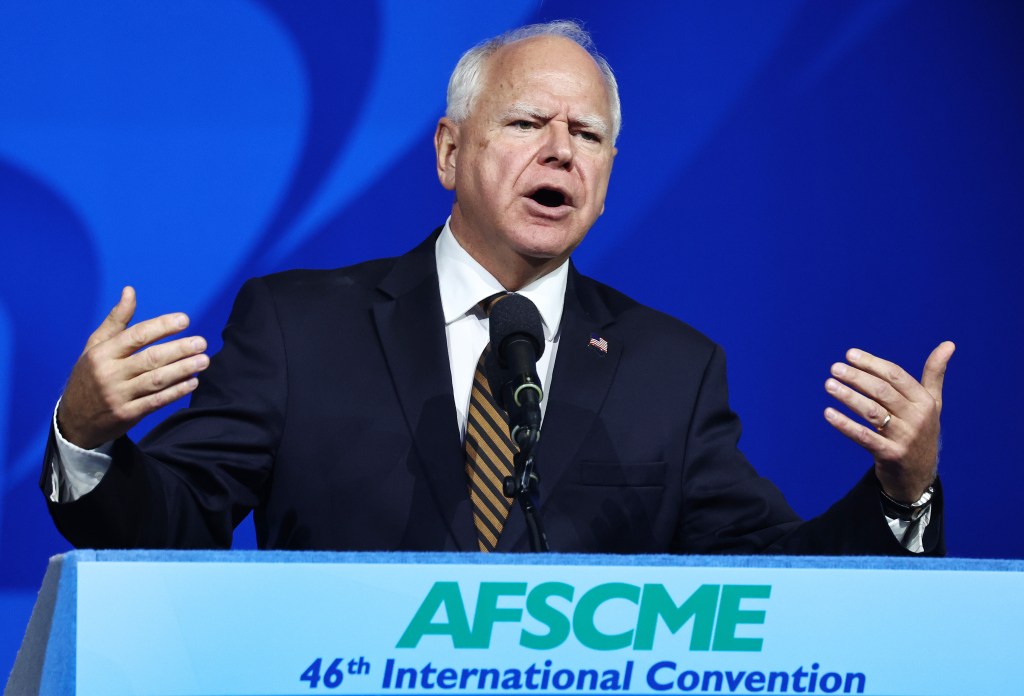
[[515, 317]]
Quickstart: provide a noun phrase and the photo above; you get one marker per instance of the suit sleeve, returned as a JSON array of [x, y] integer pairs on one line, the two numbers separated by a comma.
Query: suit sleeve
[[198, 474], [729, 508]]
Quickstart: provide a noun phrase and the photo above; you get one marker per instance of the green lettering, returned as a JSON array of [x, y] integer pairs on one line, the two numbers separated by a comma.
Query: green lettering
[[657, 603], [448, 596], [557, 623], [730, 616], [488, 612], [583, 618]]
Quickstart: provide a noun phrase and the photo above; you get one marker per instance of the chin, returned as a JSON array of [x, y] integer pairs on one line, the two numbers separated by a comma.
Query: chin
[[542, 253], [544, 243]]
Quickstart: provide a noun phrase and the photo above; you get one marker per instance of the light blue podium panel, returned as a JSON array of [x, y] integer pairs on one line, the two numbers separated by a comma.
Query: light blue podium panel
[[218, 623]]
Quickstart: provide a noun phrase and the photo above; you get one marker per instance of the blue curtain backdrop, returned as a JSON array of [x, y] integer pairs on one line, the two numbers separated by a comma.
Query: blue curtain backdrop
[[794, 178]]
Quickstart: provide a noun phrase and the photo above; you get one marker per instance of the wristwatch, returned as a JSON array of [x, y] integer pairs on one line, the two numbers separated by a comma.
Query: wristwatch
[[906, 511]]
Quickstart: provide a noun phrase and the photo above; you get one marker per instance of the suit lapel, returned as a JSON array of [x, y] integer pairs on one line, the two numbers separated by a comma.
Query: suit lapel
[[582, 377], [411, 329]]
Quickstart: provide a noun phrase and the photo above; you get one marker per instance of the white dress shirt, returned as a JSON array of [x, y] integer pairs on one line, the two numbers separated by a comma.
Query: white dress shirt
[[464, 283]]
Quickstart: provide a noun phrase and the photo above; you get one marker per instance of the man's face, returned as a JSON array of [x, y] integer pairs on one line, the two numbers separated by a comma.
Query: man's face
[[530, 165]]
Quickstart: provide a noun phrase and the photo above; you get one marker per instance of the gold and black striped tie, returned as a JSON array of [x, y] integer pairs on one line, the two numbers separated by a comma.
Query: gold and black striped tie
[[489, 453]]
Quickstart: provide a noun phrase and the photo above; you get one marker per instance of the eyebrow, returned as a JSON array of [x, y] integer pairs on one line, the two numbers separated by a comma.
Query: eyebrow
[[593, 123], [587, 121]]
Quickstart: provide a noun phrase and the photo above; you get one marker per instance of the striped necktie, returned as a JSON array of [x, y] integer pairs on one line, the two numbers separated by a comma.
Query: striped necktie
[[489, 452]]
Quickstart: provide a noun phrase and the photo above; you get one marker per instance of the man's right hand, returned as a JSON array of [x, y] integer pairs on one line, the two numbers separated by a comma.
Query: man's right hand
[[121, 377]]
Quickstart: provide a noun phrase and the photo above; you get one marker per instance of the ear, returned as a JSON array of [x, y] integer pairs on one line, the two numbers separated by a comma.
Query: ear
[[615, 151], [446, 146]]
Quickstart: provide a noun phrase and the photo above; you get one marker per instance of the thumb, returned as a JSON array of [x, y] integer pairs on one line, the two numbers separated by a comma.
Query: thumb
[[117, 320], [935, 369]]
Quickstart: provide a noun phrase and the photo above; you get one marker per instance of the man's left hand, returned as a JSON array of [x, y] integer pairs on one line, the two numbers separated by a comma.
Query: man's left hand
[[902, 412]]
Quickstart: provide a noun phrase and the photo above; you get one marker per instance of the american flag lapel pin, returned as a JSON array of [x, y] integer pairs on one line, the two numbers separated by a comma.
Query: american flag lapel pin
[[598, 343]]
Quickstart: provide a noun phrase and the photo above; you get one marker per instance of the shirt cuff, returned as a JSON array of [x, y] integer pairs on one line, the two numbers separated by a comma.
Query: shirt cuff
[[75, 471], [910, 533]]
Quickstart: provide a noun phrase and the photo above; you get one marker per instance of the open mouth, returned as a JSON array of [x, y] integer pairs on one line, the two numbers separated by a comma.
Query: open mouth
[[549, 198]]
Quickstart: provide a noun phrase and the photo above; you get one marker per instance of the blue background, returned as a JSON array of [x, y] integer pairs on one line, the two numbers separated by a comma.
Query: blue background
[[794, 178]]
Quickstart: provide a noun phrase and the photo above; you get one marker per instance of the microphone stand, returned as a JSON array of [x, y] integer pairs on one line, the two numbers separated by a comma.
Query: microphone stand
[[522, 485]]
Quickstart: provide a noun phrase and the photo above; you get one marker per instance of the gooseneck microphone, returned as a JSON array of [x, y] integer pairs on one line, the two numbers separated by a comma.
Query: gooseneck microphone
[[517, 340]]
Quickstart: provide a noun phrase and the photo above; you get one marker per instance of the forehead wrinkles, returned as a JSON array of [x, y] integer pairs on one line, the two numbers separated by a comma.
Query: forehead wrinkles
[[546, 66]]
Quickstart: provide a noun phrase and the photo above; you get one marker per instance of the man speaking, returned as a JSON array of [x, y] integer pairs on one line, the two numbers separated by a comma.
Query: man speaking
[[357, 408]]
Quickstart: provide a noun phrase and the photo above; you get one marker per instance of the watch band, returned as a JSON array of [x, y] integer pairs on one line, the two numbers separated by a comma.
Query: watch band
[[906, 511]]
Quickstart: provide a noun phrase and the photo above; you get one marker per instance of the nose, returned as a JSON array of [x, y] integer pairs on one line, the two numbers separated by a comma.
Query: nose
[[557, 150]]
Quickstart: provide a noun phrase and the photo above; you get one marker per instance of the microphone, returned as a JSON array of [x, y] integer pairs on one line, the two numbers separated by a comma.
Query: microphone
[[517, 341]]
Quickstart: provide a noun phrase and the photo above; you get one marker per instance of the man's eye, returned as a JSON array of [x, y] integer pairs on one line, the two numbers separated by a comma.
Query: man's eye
[[589, 136], [523, 125]]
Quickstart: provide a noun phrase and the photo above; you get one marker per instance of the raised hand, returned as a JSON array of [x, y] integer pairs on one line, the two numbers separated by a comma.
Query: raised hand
[[902, 412], [122, 377]]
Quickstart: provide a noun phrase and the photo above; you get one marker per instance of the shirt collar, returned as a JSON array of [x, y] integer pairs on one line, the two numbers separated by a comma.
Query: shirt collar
[[464, 282]]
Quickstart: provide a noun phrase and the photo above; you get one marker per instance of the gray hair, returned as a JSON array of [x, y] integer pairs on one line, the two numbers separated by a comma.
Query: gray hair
[[468, 77]]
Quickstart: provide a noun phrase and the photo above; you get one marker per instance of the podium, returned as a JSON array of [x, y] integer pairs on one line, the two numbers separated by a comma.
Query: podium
[[237, 622]]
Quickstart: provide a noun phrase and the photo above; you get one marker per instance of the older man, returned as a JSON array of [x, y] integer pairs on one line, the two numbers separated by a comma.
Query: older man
[[329, 410]]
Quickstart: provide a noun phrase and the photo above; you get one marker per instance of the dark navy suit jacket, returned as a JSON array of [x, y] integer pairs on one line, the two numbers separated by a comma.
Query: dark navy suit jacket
[[330, 412]]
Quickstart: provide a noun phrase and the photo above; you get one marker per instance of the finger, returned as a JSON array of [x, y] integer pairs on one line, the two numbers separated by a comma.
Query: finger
[[867, 438], [887, 371], [117, 320], [137, 409], [866, 408], [162, 354], [138, 336], [165, 378], [875, 388], [935, 369]]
